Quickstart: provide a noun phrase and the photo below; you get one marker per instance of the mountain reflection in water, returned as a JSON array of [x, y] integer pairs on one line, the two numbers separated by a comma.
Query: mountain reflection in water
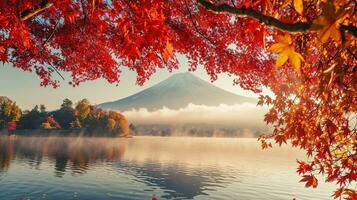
[[140, 167]]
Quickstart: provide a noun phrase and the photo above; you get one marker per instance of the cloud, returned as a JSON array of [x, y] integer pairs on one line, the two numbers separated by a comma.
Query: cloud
[[243, 115]]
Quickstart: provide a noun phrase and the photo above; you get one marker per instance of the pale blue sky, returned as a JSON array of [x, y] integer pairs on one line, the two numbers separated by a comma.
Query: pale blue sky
[[24, 87]]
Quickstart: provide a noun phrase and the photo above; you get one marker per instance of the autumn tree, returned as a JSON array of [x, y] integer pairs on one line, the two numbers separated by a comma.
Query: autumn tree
[[95, 121], [50, 123], [82, 109], [120, 125], [111, 124], [75, 124], [10, 113], [302, 50]]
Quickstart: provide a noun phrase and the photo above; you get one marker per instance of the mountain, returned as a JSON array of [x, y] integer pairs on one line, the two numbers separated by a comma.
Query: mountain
[[176, 92]]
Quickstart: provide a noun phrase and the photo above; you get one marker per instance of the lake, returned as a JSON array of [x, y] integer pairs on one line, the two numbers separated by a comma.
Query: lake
[[142, 167]]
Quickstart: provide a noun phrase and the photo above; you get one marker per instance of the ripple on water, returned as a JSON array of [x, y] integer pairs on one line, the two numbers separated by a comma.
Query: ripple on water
[[180, 168]]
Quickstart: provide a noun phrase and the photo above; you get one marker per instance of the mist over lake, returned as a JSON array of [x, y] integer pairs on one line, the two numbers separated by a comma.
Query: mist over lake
[[142, 167]]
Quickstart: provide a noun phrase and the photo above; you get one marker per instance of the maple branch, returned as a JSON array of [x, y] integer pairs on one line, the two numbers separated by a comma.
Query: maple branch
[[52, 33], [27, 14], [195, 25], [56, 70], [268, 20]]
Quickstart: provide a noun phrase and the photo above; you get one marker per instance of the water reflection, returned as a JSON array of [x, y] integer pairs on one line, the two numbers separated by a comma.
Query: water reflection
[[67, 153], [177, 180], [78, 155], [137, 168]]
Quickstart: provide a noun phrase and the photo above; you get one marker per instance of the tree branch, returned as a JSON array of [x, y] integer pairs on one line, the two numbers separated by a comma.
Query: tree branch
[[27, 14], [195, 25], [268, 20], [56, 70]]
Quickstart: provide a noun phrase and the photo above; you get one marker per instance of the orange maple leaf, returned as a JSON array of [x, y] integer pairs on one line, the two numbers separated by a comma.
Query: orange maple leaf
[[168, 51], [286, 50]]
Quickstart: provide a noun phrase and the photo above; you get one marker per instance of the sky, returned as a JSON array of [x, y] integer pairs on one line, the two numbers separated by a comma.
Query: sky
[[24, 87]]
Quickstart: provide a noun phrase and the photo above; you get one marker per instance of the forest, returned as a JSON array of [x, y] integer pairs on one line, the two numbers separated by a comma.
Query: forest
[[82, 118]]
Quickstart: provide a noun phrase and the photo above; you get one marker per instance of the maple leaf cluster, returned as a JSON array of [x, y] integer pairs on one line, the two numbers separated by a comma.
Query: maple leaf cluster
[[94, 39], [302, 50]]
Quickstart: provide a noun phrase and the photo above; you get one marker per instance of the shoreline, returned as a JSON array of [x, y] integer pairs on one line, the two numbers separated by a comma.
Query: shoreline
[[56, 133]]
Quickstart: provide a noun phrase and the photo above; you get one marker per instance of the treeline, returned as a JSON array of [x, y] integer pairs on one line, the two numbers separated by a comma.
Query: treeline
[[82, 117]]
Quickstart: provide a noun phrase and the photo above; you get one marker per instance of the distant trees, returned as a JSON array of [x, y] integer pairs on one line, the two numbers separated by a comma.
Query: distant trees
[[42, 108], [82, 109], [65, 115], [33, 119], [133, 129], [10, 113], [76, 124], [121, 124], [85, 117], [94, 120], [67, 105]]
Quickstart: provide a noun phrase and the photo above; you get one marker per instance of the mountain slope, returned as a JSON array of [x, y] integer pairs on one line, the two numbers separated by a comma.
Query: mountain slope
[[177, 92]]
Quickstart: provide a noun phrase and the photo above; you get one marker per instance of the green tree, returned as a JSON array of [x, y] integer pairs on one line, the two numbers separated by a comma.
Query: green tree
[[42, 108], [35, 109], [32, 119], [65, 115], [67, 105]]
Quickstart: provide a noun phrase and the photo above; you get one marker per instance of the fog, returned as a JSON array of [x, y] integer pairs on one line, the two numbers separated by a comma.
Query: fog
[[243, 115]]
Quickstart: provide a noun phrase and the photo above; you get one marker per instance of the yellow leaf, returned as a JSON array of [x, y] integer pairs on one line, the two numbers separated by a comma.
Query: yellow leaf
[[277, 47], [295, 60], [298, 5], [282, 58], [286, 51]]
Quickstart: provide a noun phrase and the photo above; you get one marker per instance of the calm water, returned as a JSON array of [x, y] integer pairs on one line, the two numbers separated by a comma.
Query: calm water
[[140, 167]]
